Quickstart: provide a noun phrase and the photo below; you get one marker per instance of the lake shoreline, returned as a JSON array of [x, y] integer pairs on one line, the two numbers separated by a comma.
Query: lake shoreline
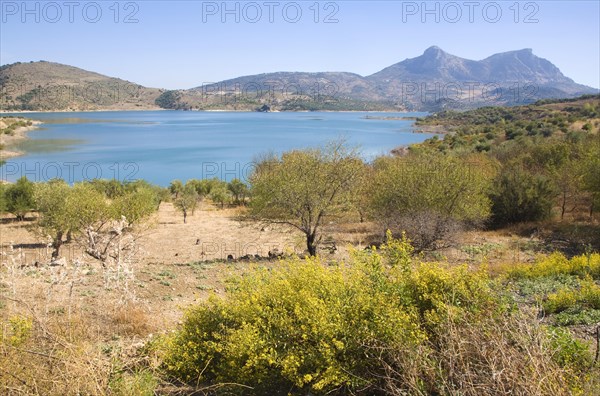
[[18, 135], [197, 111]]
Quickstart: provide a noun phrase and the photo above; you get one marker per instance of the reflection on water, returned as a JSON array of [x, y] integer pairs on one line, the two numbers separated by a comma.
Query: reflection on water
[[39, 146], [73, 120]]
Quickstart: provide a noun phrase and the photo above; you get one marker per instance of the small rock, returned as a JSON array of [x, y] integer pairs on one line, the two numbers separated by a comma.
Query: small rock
[[59, 262]]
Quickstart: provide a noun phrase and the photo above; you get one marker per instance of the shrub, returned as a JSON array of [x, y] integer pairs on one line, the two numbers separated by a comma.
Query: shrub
[[520, 195], [492, 356], [557, 264], [3, 203], [52, 357], [19, 198], [568, 351], [308, 327], [429, 196], [587, 296], [304, 326], [18, 331]]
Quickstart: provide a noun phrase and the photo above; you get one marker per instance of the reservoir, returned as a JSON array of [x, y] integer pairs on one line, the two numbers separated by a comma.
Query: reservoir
[[160, 146]]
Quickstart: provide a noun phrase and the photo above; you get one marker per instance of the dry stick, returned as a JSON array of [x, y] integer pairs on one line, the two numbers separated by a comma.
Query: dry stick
[[11, 269], [15, 377], [70, 299], [35, 353], [597, 344]]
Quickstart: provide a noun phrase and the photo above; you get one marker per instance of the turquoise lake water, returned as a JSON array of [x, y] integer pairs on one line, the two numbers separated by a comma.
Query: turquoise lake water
[[160, 146]]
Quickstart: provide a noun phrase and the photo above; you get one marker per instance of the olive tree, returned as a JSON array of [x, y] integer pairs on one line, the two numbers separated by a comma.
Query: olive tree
[[591, 172], [186, 201], [430, 197], [19, 198], [302, 188], [87, 214], [176, 187], [68, 210], [219, 194], [135, 205], [238, 189], [204, 186]]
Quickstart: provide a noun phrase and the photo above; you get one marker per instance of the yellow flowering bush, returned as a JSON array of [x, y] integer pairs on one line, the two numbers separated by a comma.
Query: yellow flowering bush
[[16, 331], [309, 326], [557, 264], [587, 296]]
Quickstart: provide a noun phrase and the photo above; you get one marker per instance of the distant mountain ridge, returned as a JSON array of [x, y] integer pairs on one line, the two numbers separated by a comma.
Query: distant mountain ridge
[[509, 78], [433, 81]]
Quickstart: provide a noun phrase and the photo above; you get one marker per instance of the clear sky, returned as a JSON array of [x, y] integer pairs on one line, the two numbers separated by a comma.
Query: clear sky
[[183, 44]]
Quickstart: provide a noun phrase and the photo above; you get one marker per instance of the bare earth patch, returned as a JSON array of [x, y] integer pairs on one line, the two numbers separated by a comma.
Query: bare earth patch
[[175, 264]]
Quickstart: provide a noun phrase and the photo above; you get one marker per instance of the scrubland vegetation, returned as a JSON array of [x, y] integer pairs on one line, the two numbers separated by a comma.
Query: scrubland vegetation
[[11, 124], [395, 318]]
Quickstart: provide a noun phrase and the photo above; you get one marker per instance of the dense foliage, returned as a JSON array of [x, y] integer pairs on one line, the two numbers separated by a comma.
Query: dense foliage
[[383, 323], [548, 153], [19, 198], [429, 196], [171, 100]]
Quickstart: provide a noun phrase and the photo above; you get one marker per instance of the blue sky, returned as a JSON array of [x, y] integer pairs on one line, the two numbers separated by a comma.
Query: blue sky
[[183, 44]]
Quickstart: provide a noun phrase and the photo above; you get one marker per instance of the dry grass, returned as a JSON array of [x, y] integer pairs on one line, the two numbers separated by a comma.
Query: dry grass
[[130, 320], [482, 359]]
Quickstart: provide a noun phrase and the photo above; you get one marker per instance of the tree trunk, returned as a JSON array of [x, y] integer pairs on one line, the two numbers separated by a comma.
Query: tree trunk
[[184, 216], [310, 244], [56, 244]]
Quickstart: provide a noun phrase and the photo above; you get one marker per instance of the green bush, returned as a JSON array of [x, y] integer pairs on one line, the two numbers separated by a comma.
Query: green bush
[[568, 351], [141, 383], [19, 198], [430, 197], [3, 203], [520, 195]]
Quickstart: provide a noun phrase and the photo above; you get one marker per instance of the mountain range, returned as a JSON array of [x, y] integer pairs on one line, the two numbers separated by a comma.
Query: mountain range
[[434, 81]]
